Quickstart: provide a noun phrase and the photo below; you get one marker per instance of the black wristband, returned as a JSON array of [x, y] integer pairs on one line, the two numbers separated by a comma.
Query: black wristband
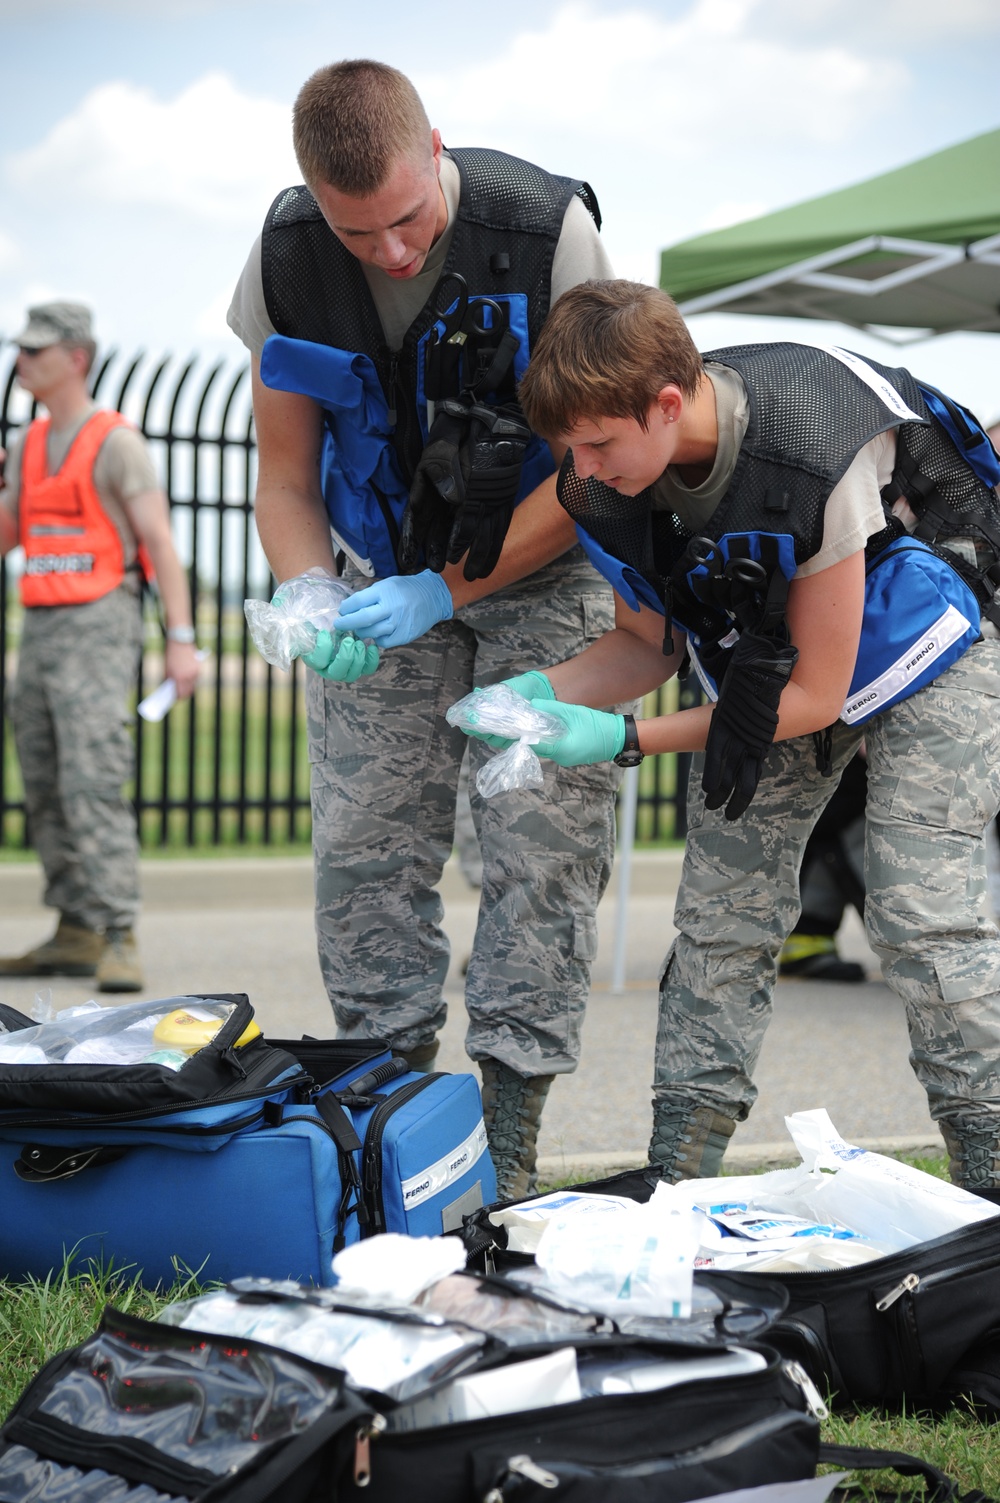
[[630, 755]]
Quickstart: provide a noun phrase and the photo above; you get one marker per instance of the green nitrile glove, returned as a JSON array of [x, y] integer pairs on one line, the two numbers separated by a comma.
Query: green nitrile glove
[[341, 657], [531, 685], [590, 735], [498, 743]]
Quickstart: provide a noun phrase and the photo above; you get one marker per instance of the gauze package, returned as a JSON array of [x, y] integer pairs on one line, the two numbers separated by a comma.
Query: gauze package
[[633, 1259], [534, 1384], [501, 711], [526, 1222], [305, 605], [877, 1195], [838, 1187], [391, 1269]]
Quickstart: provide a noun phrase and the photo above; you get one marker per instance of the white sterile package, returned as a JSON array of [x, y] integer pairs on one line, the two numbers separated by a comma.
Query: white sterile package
[[644, 1374], [632, 1260], [501, 711], [304, 605], [391, 1269], [877, 1195], [842, 1205], [534, 1384], [526, 1221], [394, 1357]]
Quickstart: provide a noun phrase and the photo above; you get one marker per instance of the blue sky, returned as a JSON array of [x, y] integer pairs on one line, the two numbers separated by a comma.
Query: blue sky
[[142, 140]]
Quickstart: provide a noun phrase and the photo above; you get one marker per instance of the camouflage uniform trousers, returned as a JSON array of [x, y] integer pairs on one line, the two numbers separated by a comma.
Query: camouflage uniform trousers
[[933, 785], [70, 717], [384, 777]]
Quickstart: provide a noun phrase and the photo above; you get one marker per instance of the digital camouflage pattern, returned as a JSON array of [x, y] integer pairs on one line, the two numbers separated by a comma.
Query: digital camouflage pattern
[[70, 715], [933, 784], [384, 777]]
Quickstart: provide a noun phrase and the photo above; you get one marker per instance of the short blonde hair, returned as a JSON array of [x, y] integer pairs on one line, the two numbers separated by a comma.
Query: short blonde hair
[[351, 123], [605, 350]]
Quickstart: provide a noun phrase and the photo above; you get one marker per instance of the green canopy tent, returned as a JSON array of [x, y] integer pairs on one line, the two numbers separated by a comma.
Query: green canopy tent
[[917, 248]]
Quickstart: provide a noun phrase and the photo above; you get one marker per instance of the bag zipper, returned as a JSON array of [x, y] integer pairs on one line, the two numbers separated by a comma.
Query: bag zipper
[[371, 1153], [142, 1114]]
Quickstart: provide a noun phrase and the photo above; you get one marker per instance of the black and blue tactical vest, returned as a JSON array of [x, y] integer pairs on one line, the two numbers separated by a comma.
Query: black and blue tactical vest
[[810, 413], [509, 220]]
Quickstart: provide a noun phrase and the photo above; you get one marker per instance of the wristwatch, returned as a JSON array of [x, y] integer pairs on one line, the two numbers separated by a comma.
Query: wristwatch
[[630, 755], [184, 634]]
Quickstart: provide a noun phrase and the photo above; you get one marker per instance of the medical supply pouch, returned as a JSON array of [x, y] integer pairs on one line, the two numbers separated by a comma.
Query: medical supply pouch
[[917, 1327], [920, 616], [143, 1413], [485, 1389]]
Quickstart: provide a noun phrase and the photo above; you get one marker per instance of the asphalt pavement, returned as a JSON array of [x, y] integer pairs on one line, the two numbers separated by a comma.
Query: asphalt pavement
[[244, 924]]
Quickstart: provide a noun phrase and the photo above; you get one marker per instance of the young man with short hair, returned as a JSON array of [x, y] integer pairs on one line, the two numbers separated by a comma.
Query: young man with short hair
[[418, 279], [82, 498], [760, 511]]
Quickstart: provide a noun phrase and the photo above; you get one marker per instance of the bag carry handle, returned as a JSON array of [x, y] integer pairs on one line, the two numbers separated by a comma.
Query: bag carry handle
[[940, 1487], [40, 1165]]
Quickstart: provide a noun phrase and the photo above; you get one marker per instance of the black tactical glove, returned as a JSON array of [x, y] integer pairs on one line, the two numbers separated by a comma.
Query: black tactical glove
[[498, 438], [744, 721], [437, 492]]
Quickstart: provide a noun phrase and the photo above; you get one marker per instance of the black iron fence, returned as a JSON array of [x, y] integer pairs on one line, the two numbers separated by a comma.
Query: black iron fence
[[229, 766]]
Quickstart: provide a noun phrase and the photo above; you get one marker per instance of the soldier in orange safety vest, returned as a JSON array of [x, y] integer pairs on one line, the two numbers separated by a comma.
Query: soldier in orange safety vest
[[82, 499]]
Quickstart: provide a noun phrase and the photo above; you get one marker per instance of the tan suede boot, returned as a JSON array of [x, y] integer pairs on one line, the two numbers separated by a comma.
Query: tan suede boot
[[512, 1112], [688, 1140], [73, 950], [118, 969]]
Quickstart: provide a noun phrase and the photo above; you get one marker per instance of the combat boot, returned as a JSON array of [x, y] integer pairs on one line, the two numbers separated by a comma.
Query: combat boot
[[688, 1140], [74, 950], [973, 1145], [421, 1059], [118, 969], [512, 1111]]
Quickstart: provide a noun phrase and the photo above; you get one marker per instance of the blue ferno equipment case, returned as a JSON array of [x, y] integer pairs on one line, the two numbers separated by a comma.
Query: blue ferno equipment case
[[254, 1159]]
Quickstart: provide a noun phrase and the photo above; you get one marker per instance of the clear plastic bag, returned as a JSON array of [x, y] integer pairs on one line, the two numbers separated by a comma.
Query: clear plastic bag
[[501, 711], [159, 1033], [302, 606]]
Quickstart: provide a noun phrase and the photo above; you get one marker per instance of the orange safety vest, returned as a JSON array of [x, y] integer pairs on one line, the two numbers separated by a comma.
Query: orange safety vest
[[73, 550]]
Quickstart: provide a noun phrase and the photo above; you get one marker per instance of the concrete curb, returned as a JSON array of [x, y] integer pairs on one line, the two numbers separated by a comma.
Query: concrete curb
[[744, 1158]]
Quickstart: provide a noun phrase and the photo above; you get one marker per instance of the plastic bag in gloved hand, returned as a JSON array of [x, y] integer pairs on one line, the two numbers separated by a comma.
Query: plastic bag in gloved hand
[[498, 439], [744, 721], [302, 606], [501, 711]]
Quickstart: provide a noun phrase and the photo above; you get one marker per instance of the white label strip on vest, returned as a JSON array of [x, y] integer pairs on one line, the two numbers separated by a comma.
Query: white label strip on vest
[[880, 386], [430, 1181], [890, 685]]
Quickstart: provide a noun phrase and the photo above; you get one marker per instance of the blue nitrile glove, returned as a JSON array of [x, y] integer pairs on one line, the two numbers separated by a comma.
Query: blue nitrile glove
[[531, 685], [341, 657], [395, 611], [590, 735]]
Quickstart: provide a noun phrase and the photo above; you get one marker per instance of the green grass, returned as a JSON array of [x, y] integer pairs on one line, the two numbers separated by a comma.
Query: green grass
[[41, 1317]]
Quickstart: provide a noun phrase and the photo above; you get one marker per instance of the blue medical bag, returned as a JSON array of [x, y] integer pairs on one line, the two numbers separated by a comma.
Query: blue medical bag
[[253, 1160]]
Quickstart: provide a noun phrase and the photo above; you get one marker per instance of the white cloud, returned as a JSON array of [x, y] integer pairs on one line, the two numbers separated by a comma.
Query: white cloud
[[211, 153], [682, 88], [731, 211]]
